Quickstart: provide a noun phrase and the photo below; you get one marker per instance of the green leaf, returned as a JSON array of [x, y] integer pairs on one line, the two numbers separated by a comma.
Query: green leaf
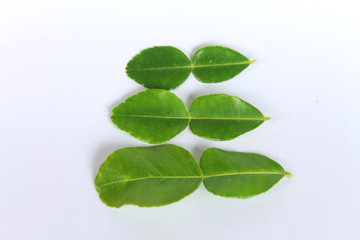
[[156, 116], [147, 176], [239, 175], [164, 174], [222, 117], [160, 67], [217, 64], [153, 116], [168, 67]]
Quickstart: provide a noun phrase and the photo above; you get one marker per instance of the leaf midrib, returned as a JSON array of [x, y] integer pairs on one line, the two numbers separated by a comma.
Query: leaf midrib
[[192, 66], [197, 118], [198, 177]]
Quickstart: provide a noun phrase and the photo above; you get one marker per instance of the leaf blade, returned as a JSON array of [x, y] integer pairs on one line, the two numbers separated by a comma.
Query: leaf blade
[[159, 68], [153, 116], [221, 117], [239, 175], [214, 64], [147, 176]]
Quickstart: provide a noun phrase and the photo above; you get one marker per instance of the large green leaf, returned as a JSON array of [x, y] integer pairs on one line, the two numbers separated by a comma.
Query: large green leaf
[[239, 175], [153, 116], [147, 176], [160, 67], [222, 117]]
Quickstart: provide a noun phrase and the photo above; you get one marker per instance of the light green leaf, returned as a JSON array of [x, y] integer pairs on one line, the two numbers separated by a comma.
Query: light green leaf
[[160, 67], [222, 117], [153, 116], [239, 175], [147, 176], [217, 64]]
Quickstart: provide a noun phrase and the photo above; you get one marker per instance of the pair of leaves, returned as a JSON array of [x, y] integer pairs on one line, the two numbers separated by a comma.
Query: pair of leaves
[[160, 175], [156, 116], [168, 67]]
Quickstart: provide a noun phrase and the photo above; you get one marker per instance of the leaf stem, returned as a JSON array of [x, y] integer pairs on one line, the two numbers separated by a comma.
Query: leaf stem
[[288, 175]]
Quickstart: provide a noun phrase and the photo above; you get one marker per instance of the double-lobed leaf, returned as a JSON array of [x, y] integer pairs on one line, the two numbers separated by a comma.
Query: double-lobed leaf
[[156, 116], [164, 174], [167, 67]]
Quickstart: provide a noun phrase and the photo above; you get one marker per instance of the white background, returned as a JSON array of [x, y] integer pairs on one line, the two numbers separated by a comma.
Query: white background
[[62, 70]]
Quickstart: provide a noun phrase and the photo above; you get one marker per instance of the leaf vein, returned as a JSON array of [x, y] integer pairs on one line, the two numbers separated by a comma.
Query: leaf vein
[[197, 118], [196, 177], [191, 66], [248, 173], [149, 177]]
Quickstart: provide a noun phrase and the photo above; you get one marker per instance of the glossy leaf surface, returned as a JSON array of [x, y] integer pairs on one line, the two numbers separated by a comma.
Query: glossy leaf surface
[[239, 175], [217, 64], [160, 67], [153, 116], [147, 176], [222, 117]]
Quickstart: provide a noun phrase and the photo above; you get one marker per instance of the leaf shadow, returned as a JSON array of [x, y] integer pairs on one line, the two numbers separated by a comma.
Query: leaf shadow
[[191, 99], [197, 151]]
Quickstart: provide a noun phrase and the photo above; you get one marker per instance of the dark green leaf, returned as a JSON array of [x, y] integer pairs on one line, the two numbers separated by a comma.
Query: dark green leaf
[[153, 116], [160, 67], [239, 175], [217, 64], [147, 176], [222, 117]]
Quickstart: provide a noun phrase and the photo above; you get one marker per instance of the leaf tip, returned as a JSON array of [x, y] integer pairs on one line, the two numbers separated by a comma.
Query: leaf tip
[[289, 175]]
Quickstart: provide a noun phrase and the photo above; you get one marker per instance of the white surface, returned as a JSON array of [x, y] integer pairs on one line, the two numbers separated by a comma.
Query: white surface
[[62, 71]]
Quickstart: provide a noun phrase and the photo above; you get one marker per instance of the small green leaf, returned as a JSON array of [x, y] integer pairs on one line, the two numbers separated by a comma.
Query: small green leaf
[[239, 175], [222, 117], [153, 116], [147, 176], [160, 67], [217, 64]]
